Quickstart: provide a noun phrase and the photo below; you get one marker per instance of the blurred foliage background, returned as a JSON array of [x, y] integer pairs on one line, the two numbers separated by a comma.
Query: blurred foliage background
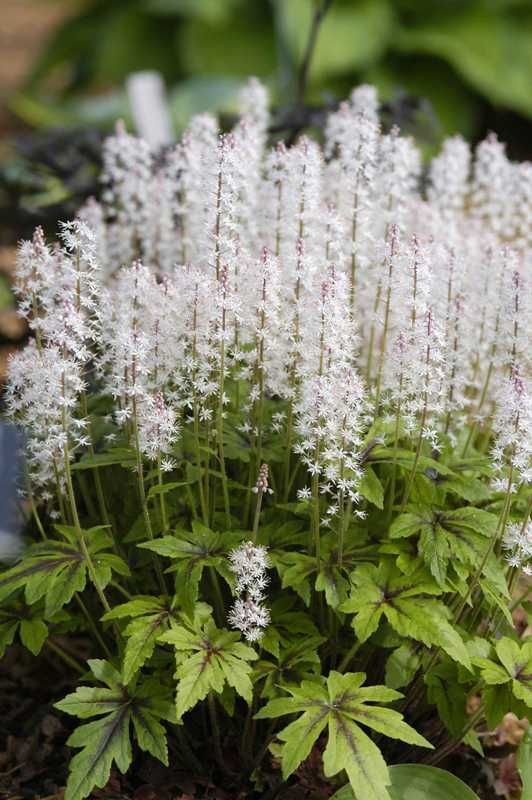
[[469, 60]]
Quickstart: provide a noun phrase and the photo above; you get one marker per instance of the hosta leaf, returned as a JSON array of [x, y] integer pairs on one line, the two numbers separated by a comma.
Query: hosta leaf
[[419, 782], [106, 740], [491, 50], [340, 703]]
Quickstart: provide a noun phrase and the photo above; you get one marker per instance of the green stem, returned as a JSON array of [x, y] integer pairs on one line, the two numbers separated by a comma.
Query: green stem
[[412, 475], [446, 750], [498, 531], [92, 625], [162, 499], [64, 656], [81, 538], [218, 596], [143, 499], [216, 732], [256, 518], [346, 660]]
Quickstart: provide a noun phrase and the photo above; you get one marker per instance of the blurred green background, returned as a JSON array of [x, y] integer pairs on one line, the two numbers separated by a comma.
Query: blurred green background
[[469, 60]]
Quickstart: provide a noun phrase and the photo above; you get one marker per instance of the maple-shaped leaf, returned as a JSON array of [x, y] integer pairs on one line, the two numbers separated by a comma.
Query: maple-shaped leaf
[[193, 552], [207, 659], [149, 618], [406, 603], [508, 679], [445, 536], [301, 573], [342, 704], [55, 570], [106, 739]]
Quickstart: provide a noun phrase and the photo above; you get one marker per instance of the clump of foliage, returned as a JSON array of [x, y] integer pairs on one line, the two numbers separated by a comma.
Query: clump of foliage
[[278, 424]]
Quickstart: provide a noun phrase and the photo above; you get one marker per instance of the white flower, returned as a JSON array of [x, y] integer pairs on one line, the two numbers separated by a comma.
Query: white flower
[[249, 562]]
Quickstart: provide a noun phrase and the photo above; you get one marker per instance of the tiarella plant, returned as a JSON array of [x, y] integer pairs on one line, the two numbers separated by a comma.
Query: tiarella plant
[[278, 422]]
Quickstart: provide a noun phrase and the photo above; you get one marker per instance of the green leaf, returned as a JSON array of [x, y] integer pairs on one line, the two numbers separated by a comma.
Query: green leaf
[[351, 749], [406, 459], [447, 536], [383, 591], [419, 782], [193, 551], [207, 659], [235, 46], [106, 740], [401, 666], [341, 703], [7, 635], [55, 570], [371, 488], [491, 672], [33, 634], [123, 455], [164, 488], [492, 51], [524, 764], [150, 617], [449, 697], [515, 673]]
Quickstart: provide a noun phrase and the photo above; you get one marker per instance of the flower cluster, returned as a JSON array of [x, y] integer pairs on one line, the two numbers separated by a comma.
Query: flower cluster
[[221, 276], [517, 541], [249, 563]]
